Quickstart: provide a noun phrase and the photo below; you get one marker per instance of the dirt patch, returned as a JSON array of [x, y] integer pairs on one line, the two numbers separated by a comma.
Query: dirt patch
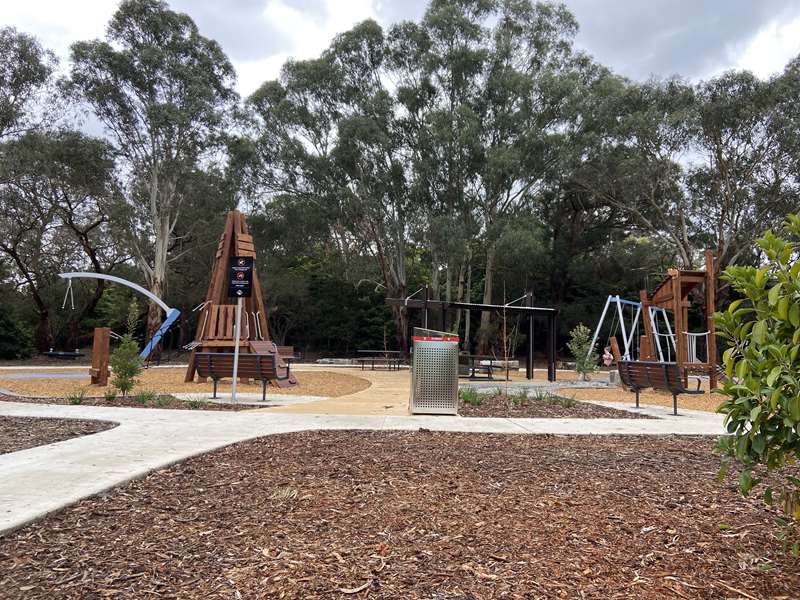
[[19, 433], [707, 402], [414, 515], [169, 380], [546, 407]]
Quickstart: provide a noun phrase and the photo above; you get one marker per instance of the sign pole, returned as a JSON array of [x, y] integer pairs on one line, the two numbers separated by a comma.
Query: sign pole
[[237, 330]]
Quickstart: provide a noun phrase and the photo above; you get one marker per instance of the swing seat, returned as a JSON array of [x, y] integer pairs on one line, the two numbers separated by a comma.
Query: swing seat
[[64, 355]]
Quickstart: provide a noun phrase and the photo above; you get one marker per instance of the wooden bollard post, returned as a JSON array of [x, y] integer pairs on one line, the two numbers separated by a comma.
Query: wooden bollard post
[[100, 352]]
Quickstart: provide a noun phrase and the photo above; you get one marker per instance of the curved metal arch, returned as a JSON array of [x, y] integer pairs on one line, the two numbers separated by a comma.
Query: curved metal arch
[[120, 281]]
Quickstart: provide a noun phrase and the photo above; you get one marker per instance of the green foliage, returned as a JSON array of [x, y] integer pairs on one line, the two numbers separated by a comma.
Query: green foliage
[[110, 395], [126, 364], [165, 401], [145, 397], [762, 361], [470, 396], [77, 397], [580, 345], [16, 338], [197, 403]]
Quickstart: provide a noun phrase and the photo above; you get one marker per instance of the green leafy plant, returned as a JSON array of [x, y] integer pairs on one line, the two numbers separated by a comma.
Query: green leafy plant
[[519, 397], [762, 362], [165, 401], [125, 361], [110, 395], [470, 396], [77, 397], [197, 403], [145, 397], [580, 345]]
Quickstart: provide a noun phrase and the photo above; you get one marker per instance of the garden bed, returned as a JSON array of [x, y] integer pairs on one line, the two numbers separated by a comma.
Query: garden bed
[[19, 433], [542, 405], [414, 515], [150, 401]]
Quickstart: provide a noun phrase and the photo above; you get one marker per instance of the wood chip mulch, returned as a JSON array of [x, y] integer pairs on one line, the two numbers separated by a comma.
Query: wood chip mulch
[[414, 515], [166, 402], [501, 406], [19, 433]]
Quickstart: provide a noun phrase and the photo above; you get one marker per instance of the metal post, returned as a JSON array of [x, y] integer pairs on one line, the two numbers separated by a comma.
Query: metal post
[[529, 367], [551, 348], [426, 307], [236, 331], [599, 325]]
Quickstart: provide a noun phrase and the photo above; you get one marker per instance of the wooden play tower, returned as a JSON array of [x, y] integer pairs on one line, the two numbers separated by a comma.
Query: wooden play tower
[[672, 294], [215, 325]]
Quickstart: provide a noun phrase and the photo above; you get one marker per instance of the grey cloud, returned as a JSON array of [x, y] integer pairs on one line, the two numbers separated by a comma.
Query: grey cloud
[[240, 27], [691, 38]]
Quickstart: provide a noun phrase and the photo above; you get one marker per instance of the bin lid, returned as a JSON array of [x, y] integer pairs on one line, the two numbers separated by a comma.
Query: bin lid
[[431, 335]]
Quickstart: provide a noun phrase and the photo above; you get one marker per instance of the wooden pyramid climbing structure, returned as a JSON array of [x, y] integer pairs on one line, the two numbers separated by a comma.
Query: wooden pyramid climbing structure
[[216, 323]]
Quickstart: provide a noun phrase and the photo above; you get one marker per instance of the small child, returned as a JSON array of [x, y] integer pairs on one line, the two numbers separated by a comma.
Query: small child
[[608, 358]]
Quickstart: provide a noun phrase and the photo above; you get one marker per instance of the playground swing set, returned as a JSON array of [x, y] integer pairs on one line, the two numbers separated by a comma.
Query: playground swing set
[[673, 344], [215, 329]]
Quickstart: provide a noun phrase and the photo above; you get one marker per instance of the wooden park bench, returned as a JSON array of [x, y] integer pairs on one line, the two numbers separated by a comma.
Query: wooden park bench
[[218, 365], [639, 375]]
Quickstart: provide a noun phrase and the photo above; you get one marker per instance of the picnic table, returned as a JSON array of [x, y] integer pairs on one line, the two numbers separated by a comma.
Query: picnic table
[[392, 359], [475, 364]]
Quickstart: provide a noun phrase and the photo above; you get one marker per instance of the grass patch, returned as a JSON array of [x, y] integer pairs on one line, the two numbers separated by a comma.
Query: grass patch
[[470, 396], [77, 397]]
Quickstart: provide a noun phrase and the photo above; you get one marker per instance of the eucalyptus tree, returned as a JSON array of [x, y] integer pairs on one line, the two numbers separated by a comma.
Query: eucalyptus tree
[[57, 189], [165, 96], [328, 138], [25, 71]]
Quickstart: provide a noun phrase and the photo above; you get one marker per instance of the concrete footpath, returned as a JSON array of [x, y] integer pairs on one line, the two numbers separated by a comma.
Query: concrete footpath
[[41, 480]]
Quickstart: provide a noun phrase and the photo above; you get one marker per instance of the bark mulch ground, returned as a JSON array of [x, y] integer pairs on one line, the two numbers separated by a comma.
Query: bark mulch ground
[[546, 406], [168, 402], [414, 515], [18, 433]]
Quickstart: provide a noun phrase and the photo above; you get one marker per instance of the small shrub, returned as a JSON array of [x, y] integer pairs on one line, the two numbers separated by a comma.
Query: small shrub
[[110, 395], [77, 397], [197, 403], [580, 345], [470, 396], [145, 397], [554, 399], [520, 397], [126, 364], [165, 401]]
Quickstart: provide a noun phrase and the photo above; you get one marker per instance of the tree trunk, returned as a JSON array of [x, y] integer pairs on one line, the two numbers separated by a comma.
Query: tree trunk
[[484, 332], [44, 335]]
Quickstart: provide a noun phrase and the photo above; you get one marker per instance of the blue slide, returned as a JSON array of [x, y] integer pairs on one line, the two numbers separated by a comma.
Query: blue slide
[[172, 316]]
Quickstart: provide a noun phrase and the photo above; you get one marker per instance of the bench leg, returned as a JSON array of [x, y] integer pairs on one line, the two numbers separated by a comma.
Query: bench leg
[[263, 390], [637, 398], [215, 389], [675, 404]]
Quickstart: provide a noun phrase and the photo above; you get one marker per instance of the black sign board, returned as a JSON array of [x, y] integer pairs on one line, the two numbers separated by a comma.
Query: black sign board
[[240, 277]]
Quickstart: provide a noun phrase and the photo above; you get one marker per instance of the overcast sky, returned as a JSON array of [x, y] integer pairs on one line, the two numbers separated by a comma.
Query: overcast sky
[[637, 38]]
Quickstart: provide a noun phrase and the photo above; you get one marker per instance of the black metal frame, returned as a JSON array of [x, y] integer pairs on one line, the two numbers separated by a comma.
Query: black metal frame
[[528, 309]]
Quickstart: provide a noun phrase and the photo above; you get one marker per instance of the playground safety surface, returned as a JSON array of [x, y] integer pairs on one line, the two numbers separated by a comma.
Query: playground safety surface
[[19, 433], [343, 514]]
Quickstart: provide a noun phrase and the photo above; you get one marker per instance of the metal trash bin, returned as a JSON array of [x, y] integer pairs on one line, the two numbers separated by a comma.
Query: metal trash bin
[[434, 373]]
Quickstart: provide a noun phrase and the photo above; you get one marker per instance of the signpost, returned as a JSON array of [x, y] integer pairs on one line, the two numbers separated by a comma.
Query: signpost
[[240, 286]]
